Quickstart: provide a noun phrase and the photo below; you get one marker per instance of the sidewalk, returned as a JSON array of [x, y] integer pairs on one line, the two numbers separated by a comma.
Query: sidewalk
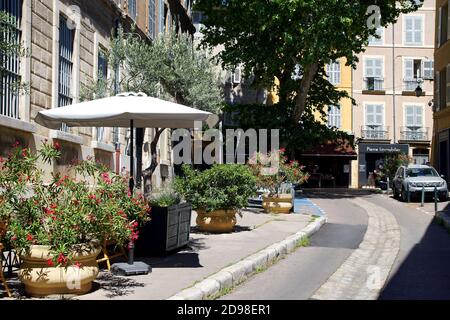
[[206, 255]]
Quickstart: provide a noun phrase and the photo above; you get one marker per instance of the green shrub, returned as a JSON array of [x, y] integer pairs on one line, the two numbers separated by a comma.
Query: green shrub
[[224, 186], [164, 198]]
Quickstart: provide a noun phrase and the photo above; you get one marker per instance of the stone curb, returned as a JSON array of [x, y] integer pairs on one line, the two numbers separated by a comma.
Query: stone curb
[[445, 219], [240, 271]]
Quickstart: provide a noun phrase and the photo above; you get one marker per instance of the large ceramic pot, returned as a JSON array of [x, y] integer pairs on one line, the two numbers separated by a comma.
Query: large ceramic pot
[[218, 221], [280, 203], [41, 280]]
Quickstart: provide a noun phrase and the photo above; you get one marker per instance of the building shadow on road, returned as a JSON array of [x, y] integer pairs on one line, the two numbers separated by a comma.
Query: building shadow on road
[[336, 235], [343, 193], [425, 273]]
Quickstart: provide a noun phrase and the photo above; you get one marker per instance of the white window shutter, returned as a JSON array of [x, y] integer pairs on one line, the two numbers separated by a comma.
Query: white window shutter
[[419, 116], [409, 115], [408, 72], [418, 30], [378, 72], [409, 25], [428, 66]]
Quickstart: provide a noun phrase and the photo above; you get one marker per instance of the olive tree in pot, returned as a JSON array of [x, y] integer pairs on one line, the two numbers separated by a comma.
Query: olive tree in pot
[[169, 227], [217, 194]]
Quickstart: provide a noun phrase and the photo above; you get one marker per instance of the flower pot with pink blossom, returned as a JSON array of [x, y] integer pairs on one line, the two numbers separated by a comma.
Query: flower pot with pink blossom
[[57, 226], [276, 175]]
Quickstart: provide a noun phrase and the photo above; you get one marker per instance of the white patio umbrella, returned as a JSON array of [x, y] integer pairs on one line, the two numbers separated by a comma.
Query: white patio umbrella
[[125, 110], [134, 110]]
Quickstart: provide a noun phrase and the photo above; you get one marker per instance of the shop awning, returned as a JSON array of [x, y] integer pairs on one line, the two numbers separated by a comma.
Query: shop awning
[[332, 149]]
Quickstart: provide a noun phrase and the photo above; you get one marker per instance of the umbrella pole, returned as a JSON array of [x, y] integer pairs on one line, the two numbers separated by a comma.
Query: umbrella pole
[[131, 182], [131, 268], [131, 185]]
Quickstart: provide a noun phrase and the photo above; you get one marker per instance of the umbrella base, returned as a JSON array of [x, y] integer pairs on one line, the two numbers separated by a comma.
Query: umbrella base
[[125, 269]]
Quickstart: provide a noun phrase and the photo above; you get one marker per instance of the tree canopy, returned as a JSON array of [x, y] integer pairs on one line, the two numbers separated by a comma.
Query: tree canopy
[[273, 38], [170, 68]]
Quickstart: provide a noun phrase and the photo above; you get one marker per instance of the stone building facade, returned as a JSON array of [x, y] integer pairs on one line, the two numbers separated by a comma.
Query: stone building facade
[[66, 41]]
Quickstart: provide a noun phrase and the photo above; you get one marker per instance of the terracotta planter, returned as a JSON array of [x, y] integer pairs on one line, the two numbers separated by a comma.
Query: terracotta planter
[[218, 221], [281, 203], [41, 280]]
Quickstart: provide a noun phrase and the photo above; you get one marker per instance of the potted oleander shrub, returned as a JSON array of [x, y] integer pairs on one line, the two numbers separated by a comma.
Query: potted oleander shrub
[[57, 226], [276, 175], [169, 227], [217, 194]]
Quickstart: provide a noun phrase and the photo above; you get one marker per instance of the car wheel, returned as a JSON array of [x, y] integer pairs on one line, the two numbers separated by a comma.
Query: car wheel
[[404, 195], [443, 198], [394, 192]]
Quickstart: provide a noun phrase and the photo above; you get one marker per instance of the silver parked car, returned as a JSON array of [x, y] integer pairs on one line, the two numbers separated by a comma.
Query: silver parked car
[[416, 177]]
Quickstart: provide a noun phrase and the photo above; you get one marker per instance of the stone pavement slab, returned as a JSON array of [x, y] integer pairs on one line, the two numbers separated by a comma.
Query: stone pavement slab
[[206, 255]]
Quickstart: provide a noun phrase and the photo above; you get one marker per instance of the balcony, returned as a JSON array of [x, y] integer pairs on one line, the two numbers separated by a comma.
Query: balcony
[[409, 87], [373, 86], [375, 132], [414, 133]]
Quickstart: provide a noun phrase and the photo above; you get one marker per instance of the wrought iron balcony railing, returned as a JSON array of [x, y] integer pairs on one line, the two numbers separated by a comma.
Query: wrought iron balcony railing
[[414, 133], [375, 132]]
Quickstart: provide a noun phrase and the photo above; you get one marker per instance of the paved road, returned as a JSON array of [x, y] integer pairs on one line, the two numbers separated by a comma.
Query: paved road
[[422, 267], [301, 273], [420, 271]]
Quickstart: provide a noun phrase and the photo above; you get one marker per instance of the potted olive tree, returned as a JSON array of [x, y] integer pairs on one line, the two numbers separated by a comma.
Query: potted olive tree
[[57, 226], [169, 227], [276, 175], [217, 194]]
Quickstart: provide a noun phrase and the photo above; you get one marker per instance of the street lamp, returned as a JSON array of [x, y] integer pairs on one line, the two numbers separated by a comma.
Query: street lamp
[[418, 91]]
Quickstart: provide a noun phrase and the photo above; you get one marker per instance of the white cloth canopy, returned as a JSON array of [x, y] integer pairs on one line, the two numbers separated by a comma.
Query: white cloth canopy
[[117, 111]]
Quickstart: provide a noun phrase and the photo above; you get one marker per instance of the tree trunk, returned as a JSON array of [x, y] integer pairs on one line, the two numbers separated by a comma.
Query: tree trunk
[[148, 172], [302, 92]]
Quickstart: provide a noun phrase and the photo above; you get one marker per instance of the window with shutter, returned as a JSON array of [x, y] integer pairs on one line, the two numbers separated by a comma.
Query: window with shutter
[[413, 117], [334, 117], [333, 70], [377, 41], [408, 71], [413, 30], [374, 115], [428, 69], [373, 74]]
